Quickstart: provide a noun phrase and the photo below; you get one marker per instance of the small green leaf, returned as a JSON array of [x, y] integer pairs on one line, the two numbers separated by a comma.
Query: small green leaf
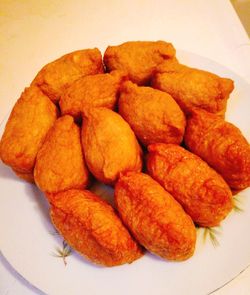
[[212, 233], [63, 252], [54, 233], [237, 203]]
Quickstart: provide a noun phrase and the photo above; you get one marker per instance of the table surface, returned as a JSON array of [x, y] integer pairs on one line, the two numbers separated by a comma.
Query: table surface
[[34, 32]]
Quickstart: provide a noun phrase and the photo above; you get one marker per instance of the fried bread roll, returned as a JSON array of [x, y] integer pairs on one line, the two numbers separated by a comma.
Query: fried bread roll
[[91, 91], [200, 190], [153, 115], [110, 146], [91, 227], [56, 76], [60, 164], [138, 58], [154, 217], [30, 120], [192, 87], [221, 145]]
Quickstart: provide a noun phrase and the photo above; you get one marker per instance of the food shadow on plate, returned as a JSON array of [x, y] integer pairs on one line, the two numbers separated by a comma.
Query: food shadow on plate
[[6, 172], [31, 190], [105, 192], [85, 261], [40, 202], [158, 259], [154, 257]]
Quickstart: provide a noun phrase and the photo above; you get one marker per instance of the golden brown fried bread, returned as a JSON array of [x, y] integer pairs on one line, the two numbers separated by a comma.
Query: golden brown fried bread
[[138, 58], [168, 65], [56, 76], [200, 190], [91, 91], [221, 145], [60, 165], [153, 115], [194, 88], [154, 217], [91, 227], [27, 126], [109, 145]]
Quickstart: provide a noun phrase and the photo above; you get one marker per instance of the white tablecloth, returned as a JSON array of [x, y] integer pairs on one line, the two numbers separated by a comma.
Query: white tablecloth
[[34, 32]]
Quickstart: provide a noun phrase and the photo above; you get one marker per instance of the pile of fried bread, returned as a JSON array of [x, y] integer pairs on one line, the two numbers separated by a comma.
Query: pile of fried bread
[[140, 121]]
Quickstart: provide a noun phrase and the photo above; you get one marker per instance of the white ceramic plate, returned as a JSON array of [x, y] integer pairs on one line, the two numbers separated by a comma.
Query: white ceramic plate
[[30, 244]]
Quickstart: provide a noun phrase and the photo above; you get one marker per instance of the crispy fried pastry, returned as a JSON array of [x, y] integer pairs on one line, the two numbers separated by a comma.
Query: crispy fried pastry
[[200, 190], [154, 217], [138, 58], [109, 145], [27, 126], [168, 65], [221, 145], [60, 164], [153, 115], [193, 87], [91, 227], [56, 76], [91, 91]]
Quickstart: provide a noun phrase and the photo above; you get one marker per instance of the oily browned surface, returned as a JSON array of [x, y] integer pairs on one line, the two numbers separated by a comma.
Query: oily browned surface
[[27, 126], [167, 66], [57, 75], [60, 163], [153, 216], [91, 91], [110, 146], [91, 227], [153, 115], [221, 145], [201, 191], [194, 88], [138, 58]]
